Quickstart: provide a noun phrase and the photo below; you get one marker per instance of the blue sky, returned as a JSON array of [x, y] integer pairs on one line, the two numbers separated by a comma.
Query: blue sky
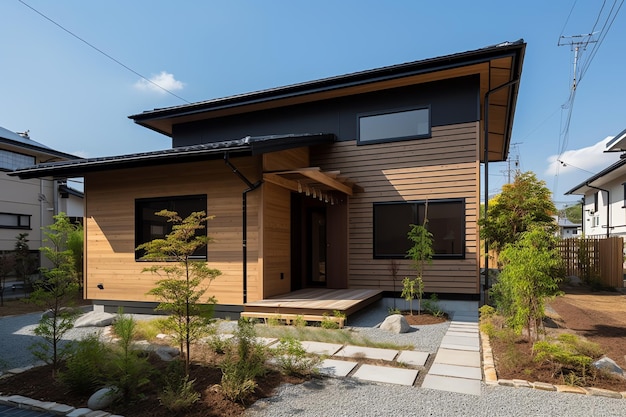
[[74, 99]]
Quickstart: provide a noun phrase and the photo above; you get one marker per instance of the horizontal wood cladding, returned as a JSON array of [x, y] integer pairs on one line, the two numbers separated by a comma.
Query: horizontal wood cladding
[[110, 226], [444, 166], [285, 160]]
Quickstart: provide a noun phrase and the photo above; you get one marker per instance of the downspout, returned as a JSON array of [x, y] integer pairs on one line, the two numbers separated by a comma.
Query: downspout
[[244, 234], [486, 157], [608, 207]]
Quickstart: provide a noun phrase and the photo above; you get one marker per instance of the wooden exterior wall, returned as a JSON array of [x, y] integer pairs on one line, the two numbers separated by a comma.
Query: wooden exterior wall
[[110, 226], [441, 167]]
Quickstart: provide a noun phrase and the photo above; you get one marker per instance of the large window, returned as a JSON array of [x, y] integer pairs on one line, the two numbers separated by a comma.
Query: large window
[[10, 161], [446, 221], [394, 125], [14, 221], [149, 226]]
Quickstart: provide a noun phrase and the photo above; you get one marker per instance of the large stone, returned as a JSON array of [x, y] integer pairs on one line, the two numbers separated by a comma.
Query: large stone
[[396, 323], [609, 365], [102, 398], [95, 319]]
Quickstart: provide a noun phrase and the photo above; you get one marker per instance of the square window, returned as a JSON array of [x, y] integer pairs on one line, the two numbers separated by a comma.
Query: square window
[[446, 221], [149, 226]]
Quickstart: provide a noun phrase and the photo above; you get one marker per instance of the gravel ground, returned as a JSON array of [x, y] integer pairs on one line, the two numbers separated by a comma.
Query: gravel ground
[[348, 397]]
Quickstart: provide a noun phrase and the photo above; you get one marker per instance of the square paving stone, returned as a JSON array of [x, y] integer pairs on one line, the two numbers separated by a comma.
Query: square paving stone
[[456, 371], [321, 348], [461, 333], [470, 340], [336, 368], [413, 358], [386, 374], [445, 383], [458, 357], [452, 346], [367, 352]]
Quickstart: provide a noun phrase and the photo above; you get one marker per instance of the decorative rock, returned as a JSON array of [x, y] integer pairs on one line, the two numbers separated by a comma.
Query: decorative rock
[[167, 353], [102, 398], [396, 323], [571, 389], [609, 365], [49, 313], [544, 386], [95, 319]]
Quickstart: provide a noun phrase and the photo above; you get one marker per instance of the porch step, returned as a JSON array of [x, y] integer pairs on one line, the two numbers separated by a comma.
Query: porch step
[[291, 317]]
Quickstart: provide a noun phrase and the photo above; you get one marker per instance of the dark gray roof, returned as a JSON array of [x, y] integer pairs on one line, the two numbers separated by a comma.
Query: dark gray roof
[[246, 146], [618, 143], [332, 83], [15, 139], [587, 185]]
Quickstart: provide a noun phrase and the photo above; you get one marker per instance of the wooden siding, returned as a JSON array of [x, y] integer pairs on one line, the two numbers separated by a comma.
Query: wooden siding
[[276, 241], [443, 166], [110, 226]]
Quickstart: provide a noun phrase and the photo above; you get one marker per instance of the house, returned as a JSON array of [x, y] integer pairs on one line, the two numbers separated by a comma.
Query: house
[[312, 185], [567, 229], [604, 195], [28, 205]]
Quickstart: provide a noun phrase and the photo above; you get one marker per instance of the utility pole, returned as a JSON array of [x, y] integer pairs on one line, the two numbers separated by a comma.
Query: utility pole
[[515, 161], [577, 43]]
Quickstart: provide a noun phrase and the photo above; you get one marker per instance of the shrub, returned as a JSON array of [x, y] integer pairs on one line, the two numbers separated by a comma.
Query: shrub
[[293, 359], [432, 306], [299, 321], [328, 322], [486, 312], [569, 356], [216, 342], [85, 369], [178, 392], [243, 362], [129, 370]]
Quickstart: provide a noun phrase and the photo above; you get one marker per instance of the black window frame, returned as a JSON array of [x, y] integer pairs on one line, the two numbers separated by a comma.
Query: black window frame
[[169, 203], [22, 225], [360, 116], [416, 205]]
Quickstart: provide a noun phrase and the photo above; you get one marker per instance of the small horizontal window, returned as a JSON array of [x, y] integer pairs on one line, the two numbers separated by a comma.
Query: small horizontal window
[[14, 221], [397, 125]]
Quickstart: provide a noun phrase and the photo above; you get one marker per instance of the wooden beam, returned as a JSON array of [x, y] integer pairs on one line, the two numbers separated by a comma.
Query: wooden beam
[[281, 182], [328, 181]]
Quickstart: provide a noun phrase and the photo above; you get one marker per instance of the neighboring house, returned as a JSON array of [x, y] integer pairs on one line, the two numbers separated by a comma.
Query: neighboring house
[[312, 185], [567, 229], [27, 205], [604, 211]]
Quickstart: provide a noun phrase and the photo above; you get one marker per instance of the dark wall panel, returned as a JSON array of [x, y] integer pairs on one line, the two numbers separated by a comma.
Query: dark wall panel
[[451, 102]]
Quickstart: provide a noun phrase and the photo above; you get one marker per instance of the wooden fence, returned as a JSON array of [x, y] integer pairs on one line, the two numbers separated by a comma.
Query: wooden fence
[[595, 259]]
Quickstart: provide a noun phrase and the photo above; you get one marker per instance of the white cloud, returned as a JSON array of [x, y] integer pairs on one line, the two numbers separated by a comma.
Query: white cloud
[[164, 80], [80, 154], [591, 159]]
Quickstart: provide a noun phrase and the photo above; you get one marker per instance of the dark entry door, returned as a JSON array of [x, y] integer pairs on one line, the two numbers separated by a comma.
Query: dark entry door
[[316, 241]]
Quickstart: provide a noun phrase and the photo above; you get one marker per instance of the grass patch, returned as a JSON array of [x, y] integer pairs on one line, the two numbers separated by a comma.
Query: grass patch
[[149, 329], [318, 334]]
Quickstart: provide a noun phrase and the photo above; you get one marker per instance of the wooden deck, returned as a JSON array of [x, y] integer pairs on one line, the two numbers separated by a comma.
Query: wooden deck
[[315, 302]]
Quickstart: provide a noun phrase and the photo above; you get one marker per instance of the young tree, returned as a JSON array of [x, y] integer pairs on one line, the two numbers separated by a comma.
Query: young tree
[[7, 265], [25, 262], [56, 293], [531, 274], [421, 253], [524, 203], [181, 291]]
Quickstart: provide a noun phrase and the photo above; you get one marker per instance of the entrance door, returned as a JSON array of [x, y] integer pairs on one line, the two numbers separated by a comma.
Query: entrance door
[[316, 240]]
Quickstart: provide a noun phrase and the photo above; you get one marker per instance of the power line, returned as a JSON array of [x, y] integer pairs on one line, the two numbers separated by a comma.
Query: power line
[[102, 52]]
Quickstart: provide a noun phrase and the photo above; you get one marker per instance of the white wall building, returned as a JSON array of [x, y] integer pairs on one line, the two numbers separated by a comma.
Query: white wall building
[[604, 194], [27, 205]]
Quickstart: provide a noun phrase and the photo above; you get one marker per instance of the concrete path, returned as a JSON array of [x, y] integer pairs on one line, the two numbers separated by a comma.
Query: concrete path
[[457, 365]]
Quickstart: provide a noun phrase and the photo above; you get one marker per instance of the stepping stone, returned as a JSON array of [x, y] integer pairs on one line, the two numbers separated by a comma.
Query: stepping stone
[[465, 319], [445, 383], [367, 353], [336, 368], [458, 357], [266, 341], [456, 371], [413, 358], [321, 348], [452, 346], [471, 340], [386, 375], [461, 333]]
